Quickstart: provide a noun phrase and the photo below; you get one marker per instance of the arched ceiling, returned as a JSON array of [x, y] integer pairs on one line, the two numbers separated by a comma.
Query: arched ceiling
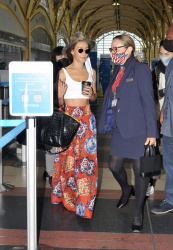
[[147, 19]]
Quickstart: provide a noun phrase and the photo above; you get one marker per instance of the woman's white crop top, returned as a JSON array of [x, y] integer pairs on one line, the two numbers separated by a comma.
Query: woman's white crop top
[[74, 89]]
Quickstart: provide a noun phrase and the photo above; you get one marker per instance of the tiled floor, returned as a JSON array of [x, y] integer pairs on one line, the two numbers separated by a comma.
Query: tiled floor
[[110, 228]]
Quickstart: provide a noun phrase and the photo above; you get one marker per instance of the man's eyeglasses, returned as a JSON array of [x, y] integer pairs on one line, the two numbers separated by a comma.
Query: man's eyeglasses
[[116, 48], [87, 51]]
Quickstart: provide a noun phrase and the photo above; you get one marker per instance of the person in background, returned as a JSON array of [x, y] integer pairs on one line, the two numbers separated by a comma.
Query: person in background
[[164, 57], [160, 78], [75, 171], [59, 61], [166, 120], [128, 111], [2, 66]]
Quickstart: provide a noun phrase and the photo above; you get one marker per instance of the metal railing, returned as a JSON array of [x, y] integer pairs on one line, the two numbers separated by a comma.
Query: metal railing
[[19, 125]]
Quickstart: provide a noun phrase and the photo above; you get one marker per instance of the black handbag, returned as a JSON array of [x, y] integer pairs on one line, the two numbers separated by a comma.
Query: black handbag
[[150, 163], [57, 130]]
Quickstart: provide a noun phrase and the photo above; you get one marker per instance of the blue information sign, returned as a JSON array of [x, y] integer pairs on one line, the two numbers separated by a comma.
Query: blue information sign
[[31, 88]]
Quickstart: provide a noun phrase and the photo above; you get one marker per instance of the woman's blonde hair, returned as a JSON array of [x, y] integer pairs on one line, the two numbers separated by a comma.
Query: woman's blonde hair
[[126, 40], [139, 58]]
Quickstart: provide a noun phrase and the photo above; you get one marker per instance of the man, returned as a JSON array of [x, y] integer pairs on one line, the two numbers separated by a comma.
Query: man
[[166, 120], [159, 70]]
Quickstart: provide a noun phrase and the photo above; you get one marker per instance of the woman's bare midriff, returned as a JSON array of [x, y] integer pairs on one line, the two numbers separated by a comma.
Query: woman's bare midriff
[[76, 102]]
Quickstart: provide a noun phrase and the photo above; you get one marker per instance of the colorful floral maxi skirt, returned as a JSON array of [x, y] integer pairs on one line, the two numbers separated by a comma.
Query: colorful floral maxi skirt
[[75, 171]]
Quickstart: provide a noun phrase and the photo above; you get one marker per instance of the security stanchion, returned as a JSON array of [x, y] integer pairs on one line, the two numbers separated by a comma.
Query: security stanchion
[[3, 186], [31, 184]]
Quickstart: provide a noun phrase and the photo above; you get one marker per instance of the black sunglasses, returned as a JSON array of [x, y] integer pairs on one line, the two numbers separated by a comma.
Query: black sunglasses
[[87, 51]]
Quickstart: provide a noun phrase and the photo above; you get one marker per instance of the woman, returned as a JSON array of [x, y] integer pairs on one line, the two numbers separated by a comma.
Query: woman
[[75, 171], [129, 111], [166, 121]]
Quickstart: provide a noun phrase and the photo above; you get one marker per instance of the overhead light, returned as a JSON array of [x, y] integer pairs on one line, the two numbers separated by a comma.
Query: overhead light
[[115, 3]]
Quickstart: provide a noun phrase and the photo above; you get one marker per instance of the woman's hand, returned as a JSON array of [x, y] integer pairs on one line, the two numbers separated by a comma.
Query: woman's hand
[[62, 87], [151, 141], [91, 92], [88, 91]]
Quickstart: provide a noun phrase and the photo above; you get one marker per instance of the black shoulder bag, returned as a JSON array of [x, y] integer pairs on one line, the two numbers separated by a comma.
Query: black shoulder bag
[[57, 130]]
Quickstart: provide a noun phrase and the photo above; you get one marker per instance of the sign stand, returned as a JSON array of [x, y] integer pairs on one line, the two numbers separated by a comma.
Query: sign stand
[[31, 95], [31, 184]]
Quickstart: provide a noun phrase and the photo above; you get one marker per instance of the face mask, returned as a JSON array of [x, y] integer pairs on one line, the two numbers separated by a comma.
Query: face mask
[[118, 59], [165, 60], [64, 62]]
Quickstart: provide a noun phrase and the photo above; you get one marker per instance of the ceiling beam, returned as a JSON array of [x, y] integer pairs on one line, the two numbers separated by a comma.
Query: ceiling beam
[[166, 9]]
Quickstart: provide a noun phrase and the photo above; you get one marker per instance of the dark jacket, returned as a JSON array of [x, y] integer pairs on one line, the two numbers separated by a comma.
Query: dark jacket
[[167, 126], [135, 111]]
